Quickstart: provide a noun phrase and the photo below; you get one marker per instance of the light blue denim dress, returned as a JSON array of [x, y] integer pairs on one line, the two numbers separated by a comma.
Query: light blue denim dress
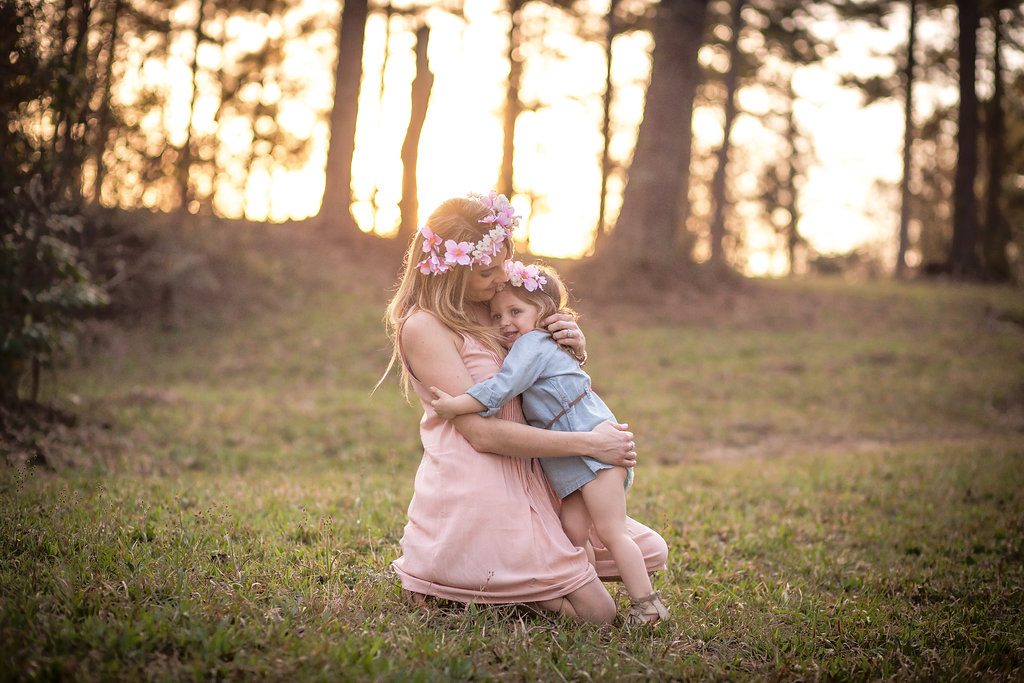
[[549, 380]]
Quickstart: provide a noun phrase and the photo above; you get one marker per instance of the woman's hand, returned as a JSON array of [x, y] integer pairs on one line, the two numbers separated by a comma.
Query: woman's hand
[[565, 330], [613, 444]]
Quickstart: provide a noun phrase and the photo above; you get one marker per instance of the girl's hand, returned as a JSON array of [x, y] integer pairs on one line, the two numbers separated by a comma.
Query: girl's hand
[[442, 404], [567, 332], [613, 444]]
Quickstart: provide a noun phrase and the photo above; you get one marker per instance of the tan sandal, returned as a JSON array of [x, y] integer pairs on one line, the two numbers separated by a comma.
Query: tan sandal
[[649, 610]]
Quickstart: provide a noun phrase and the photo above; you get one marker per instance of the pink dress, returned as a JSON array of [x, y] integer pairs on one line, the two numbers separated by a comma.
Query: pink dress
[[484, 527]]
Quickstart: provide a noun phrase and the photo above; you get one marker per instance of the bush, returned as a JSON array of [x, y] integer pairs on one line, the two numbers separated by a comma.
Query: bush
[[44, 285]]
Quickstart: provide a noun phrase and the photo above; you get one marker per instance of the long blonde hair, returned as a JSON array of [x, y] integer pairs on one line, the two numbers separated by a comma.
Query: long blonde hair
[[444, 294]]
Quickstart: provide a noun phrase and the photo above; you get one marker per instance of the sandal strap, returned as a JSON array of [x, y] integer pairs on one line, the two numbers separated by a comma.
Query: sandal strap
[[644, 600]]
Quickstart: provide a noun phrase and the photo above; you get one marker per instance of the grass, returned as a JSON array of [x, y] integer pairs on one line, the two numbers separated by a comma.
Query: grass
[[837, 469]]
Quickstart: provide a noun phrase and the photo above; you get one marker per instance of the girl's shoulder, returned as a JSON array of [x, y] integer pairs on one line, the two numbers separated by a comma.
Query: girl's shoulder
[[536, 343]]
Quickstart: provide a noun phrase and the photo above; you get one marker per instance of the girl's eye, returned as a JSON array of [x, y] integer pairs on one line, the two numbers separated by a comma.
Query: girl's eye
[[516, 311]]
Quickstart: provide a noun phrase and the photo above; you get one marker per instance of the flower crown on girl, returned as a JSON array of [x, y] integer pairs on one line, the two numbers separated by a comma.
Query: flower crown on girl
[[500, 214], [528, 277]]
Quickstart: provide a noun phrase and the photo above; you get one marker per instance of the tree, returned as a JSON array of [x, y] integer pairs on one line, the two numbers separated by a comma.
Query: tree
[[421, 85], [995, 234], [718, 183], [335, 209], [963, 256], [908, 141], [654, 202], [44, 283], [513, 106], [185, 151]]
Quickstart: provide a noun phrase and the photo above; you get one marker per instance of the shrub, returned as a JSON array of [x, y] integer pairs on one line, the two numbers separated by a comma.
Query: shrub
[[44, 285]]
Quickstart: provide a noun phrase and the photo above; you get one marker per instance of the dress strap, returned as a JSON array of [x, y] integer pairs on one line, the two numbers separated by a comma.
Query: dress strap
[[565, 410]]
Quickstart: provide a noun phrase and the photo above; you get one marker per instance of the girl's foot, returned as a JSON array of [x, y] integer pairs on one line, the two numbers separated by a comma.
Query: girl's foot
[[649, 610]]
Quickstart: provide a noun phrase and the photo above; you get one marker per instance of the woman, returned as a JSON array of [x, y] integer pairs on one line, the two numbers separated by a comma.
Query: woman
[[483, 524]]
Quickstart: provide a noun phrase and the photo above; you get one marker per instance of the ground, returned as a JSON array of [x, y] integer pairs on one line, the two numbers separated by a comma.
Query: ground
[[836, 466]]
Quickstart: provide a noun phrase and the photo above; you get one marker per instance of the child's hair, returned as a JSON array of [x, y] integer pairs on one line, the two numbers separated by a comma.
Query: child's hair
[[550, 298]]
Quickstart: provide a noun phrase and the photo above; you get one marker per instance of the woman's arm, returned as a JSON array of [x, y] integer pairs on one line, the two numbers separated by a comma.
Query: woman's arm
[[432, 351]]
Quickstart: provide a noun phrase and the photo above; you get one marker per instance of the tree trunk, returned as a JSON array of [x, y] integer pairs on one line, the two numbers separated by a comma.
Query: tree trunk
[[79, 93], [388, 11], [421, 85], [908, 141], [506, 182], [606, 118], [185, 158], [103, 125], [996, 233], [718, 182], [963, 259], [335, 210], [793, 238], [655, 202]]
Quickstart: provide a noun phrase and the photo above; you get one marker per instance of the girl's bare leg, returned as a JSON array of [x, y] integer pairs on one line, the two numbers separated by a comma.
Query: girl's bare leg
[[576, 523], [606, 502], [590, 603]]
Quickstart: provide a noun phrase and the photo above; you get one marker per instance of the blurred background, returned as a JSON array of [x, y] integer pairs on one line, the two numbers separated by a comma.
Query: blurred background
[[759, 137]]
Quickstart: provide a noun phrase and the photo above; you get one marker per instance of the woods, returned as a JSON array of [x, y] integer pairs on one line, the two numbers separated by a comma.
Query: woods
[[201, 106], [214, 108]]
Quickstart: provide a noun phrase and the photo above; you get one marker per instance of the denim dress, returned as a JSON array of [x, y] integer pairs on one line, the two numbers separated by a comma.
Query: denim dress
[[550, 380]]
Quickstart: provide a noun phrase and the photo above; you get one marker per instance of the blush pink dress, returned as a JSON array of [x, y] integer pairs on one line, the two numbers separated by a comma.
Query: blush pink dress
[[484, 527]]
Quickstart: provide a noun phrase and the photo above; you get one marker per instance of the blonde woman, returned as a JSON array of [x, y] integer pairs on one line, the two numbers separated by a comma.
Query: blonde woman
[[483, 523]]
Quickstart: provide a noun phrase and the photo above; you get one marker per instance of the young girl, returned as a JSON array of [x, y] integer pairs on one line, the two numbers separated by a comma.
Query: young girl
[[556, 395]]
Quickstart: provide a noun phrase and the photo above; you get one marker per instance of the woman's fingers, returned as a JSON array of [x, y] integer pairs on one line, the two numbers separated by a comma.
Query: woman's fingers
[[556, 318]]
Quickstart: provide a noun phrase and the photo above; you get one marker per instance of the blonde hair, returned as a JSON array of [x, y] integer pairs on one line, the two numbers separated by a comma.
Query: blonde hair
[[442, 295], [550, 298]]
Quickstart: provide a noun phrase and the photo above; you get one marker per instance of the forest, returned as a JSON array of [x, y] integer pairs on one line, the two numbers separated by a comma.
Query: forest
[[794, 233]]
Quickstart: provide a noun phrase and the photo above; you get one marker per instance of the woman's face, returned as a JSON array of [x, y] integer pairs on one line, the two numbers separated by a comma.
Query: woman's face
[[483, 281]]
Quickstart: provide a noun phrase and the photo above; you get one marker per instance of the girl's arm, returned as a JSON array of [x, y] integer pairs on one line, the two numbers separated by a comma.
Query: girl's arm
[[432, 352], [450, 407], [520, 370]]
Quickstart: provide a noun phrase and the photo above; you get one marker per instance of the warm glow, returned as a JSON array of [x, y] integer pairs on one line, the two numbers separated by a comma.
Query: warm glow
[[558, 144]]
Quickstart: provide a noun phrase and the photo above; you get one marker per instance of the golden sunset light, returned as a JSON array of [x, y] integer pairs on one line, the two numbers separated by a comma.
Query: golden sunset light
[[557, 144]]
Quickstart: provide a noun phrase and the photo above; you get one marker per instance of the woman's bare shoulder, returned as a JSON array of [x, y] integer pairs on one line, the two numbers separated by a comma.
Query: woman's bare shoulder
[[422, 326]]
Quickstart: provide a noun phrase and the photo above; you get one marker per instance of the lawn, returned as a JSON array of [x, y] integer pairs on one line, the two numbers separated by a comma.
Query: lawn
[[837, 467]]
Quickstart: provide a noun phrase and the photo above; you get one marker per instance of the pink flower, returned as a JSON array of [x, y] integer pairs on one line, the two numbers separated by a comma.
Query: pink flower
[[458, 252], [432, 265], [430, 239]]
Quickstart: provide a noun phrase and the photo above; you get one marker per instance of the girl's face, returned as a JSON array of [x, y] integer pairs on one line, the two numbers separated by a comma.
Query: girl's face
[[512, 316], [483, 281]]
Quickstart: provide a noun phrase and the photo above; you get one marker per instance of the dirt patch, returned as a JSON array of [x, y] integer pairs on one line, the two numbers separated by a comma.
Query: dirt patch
[[46, 437], [787, 445]]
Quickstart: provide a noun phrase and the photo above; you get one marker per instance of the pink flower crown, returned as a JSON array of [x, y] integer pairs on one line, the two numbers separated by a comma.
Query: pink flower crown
[[500, 214], [528, 277]]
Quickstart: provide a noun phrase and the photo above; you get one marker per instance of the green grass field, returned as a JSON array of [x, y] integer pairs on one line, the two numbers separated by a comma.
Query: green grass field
[[837, 469]]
